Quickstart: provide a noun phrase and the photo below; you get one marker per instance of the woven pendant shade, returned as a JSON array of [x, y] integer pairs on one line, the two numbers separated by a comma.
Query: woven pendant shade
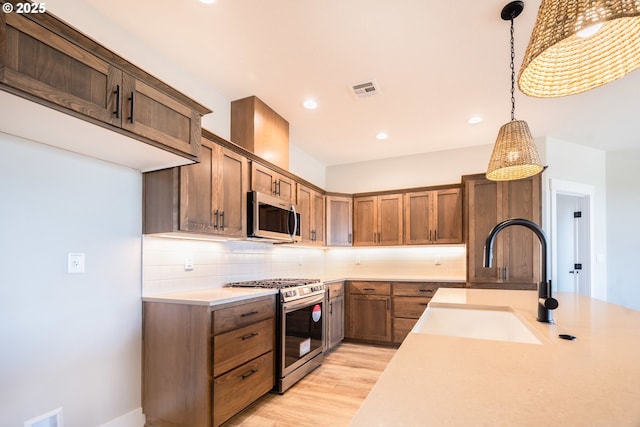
[[514, 155], [558, 62]]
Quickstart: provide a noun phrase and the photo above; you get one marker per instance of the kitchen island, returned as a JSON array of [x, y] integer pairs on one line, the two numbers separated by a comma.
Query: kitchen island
[[438, 380]]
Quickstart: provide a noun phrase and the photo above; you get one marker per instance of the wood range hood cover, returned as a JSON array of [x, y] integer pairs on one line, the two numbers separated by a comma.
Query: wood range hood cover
[[260, 130]]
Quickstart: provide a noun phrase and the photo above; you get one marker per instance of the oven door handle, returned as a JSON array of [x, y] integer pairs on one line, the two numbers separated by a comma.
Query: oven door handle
[[303, 302]]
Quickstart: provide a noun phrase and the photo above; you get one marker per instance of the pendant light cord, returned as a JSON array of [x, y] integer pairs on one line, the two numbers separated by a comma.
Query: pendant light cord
[[513, 76]]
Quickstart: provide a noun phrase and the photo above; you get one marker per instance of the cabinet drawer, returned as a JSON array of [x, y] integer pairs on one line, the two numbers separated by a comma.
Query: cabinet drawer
[[335, 289], [236, 347], [238, 316], [370, 288], [409, 307], [415, 289], [239, 388], [401, 328]]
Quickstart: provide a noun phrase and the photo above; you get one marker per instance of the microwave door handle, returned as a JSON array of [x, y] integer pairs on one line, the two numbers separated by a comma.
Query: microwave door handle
[[295, 222]]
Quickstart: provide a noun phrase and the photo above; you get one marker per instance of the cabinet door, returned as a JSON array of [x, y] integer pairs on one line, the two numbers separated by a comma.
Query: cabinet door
[[152, 114], [370, 317], [318, 217], [304, 208], [336, 323], [197, 192], [339, 221], [483, 200], [232, 187], [521, 254], [418, 218], [365, 220], [390, 219], [286, 189], [263, 179], [40, 63], [447, 218]]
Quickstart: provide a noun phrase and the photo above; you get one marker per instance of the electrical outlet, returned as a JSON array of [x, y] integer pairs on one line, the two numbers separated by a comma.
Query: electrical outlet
[[75, 263], [438, 260], [358, 260], [188, 263]]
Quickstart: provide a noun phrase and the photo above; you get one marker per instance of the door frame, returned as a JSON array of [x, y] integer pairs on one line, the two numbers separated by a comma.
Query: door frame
[[562, 187]]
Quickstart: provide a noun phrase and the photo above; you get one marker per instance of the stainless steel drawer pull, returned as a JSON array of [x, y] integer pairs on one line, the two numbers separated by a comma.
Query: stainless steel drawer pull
[[251, 313], [248, 374], [251, 335]]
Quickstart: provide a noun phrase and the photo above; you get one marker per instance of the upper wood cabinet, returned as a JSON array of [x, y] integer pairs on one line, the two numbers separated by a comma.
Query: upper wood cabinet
[[48, 62], [433, 217], [266, 180], [312, 219], [259, 129], [377, 220], [516, 262], [204, 198], [339, 220]]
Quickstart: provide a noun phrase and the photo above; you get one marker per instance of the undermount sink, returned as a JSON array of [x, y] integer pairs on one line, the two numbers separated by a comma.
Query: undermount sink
[[480, 322]]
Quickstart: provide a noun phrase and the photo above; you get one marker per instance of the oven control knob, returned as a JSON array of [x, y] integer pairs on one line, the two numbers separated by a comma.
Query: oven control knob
[[290, 294]]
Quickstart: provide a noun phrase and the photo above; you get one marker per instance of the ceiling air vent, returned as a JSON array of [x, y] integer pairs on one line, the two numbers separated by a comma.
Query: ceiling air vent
[[365, 89]]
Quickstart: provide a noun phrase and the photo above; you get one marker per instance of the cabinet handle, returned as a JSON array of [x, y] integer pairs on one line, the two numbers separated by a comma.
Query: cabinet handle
[[424, 303], [251, 313], [117, 92], [368, 289], [506, 274], [429, 235], [350, 238], [215, 221], [249, 336], [426, 290], [330, 308], [131, 102], [435, 235], [248, 374], [275, 186], [222, 220]]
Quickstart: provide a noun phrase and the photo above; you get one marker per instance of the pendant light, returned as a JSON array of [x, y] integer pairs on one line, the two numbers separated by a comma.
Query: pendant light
[[515, 155], [579, 45]]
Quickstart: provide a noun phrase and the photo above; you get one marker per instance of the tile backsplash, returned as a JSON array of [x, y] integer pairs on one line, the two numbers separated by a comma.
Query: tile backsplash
[[217, 263]]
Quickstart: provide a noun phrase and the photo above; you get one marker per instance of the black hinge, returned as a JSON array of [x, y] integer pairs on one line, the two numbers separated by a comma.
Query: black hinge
[[577, 266], [577, 214]]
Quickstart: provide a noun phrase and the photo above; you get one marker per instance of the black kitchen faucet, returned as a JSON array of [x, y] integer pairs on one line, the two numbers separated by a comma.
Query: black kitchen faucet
[[546, 302]]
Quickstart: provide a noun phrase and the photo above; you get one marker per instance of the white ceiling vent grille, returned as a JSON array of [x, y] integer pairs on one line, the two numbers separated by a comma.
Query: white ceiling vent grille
[[365, 89]]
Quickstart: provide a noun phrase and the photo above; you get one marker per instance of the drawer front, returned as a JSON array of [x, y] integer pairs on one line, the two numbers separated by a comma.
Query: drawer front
[[227, 319], [401, 328], [236, 347], [370, 288], [335, 289], [415, 289], [237, 389], [409, 307]]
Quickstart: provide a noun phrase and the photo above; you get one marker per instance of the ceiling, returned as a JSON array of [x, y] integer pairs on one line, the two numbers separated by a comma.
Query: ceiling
[[436, 63]]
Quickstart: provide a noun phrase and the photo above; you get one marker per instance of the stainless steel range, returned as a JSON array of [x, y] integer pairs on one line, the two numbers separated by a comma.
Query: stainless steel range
[[299, 330]]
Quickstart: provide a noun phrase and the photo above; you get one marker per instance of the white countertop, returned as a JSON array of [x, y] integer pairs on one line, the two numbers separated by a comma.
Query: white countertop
[[210, 297], [450, 381]]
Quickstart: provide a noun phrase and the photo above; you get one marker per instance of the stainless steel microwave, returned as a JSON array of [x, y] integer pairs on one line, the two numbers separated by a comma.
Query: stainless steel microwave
[[270, 218]]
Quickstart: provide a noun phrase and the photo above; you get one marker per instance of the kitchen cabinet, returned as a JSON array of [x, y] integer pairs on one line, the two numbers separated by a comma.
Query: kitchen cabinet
[[377, 220], [259, 129], [368, 311], [49, 62], [335, 318], [339, 220], [201, 364], [266, 180], [516, 262], [433, 217], [310, 205], [204, 198], [410, 299]]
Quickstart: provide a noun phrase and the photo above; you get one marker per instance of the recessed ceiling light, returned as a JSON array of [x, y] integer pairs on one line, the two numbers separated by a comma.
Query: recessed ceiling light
[[207, 1], [310, 104], [475, 120], [382, 136]]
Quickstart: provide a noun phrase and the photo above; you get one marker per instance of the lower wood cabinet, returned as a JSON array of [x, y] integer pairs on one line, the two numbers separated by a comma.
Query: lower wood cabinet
[[201, 364], [385, 312], [335, 319]]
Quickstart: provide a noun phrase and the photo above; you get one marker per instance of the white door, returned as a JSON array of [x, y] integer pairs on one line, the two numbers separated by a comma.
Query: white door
[[573, 257]]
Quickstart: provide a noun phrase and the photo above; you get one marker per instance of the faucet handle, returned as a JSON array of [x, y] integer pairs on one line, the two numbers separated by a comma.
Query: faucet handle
[[548, 303]]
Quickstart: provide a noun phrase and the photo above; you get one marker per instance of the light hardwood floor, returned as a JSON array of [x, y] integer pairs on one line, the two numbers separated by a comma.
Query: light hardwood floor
[[328, 396]]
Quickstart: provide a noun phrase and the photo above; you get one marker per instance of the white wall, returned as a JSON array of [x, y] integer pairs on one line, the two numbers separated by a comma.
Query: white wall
[[306, 167], [442, 167], [582, 165], [70, 341], [623, 232]]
